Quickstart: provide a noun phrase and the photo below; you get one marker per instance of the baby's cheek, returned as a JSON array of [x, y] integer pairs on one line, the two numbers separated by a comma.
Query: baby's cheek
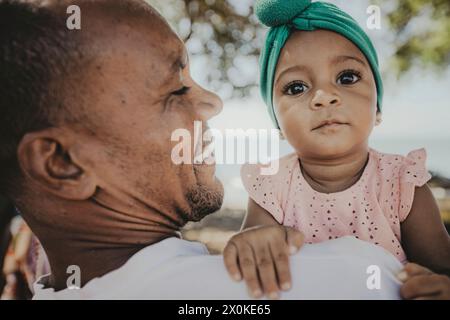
[[362, 128], [292, 118], [364, 99], [365, 115], [296, 121], [296, 131]]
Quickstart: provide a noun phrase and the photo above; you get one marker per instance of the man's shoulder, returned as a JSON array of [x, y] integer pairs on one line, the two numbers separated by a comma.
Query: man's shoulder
[[180, 269], [170, 269]]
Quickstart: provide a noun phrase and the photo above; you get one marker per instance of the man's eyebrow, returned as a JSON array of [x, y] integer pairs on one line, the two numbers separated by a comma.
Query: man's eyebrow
[[297, 67], [340, 59]]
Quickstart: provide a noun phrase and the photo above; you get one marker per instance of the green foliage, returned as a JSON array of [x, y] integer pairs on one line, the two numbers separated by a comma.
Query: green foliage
[[428, 47]]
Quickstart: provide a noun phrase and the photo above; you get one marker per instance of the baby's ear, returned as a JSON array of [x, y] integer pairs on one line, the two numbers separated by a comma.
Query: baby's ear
[[378, 118]]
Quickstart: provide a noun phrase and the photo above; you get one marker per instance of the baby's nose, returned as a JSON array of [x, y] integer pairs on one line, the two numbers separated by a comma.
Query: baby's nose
[[324, 98]]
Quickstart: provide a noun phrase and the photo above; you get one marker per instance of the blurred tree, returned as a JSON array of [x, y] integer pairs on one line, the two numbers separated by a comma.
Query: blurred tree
[[428, 43], [224, 34], [228, 37]]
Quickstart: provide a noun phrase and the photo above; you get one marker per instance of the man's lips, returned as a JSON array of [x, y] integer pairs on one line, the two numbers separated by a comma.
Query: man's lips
[[327, 123]]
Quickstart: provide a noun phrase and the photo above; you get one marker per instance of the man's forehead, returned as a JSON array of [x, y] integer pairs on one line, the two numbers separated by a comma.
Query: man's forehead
[[136, 34], [128, 33], [168, 60]]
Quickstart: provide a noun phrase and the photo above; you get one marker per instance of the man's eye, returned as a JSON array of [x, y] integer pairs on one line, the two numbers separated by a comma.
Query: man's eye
[[182, 91], [349, 77], [294, 88]]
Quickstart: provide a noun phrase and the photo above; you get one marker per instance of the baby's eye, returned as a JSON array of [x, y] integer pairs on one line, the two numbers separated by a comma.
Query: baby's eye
[[294, 88], [348, 77]]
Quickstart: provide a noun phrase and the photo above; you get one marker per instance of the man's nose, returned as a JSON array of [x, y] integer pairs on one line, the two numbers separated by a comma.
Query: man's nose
[[209, 104], [323, 98]]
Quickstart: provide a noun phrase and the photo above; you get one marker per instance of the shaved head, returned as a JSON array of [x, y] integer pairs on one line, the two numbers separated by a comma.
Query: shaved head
[[44, 64]]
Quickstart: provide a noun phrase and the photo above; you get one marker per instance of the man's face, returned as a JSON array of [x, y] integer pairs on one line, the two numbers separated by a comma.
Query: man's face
[[138, 91]]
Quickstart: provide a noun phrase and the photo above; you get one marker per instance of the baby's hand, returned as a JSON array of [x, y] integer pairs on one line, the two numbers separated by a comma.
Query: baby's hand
[[420, 283], [260, 255]]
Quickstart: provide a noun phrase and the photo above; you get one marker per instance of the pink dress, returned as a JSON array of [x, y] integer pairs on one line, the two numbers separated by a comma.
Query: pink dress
[[371, 209]]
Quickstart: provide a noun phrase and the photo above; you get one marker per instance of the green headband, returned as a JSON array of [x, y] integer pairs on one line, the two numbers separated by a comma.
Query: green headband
[[285, 16]]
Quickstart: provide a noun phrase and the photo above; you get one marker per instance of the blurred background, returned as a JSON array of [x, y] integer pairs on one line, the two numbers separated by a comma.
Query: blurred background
[[413, 43]]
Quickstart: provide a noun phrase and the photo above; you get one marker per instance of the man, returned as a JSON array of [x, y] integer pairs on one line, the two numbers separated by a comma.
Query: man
[[86, 157]]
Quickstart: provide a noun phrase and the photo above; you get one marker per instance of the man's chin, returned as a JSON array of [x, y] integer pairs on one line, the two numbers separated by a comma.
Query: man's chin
[[205, 198]]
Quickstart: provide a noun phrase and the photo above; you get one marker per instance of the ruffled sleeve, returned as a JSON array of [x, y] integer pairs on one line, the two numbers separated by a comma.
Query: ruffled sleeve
[[413, 173], [263, 189]]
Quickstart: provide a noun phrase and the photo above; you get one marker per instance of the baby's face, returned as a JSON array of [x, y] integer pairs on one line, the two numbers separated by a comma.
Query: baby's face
[[321, 76]]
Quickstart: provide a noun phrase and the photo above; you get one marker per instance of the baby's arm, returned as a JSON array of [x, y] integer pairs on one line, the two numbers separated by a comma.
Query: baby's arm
[[424, 237], [257, 216], [259, 253], [426, 243]]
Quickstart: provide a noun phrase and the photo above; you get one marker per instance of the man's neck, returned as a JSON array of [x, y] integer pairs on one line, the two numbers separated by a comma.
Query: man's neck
[[334, 174], [103, 238], [91, 263]]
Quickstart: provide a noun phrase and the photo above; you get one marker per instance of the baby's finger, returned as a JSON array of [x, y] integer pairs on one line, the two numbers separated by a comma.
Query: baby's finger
[[248, 268], [230, 259], [266, 271], [294, 239], [411, 270], [282, 268], [420, 286]]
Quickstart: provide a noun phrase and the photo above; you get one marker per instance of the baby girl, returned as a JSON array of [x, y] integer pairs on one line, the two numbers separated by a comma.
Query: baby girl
[[321, 82]]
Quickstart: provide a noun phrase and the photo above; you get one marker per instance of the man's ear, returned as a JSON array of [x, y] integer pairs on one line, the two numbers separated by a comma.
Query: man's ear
[[378, 118], [45, 158]]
